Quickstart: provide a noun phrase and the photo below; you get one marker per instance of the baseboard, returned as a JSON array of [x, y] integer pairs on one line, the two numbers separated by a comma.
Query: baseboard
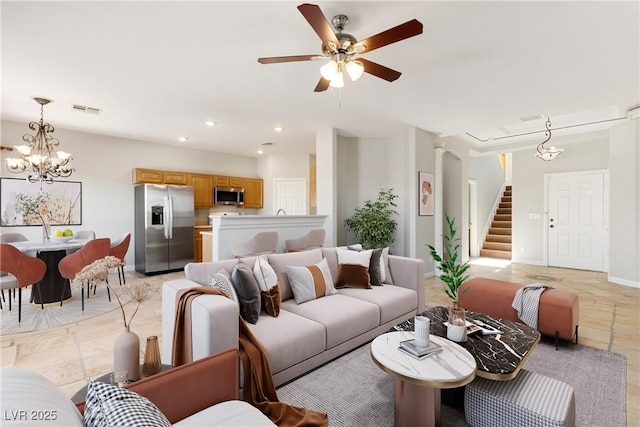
[[623, 282]]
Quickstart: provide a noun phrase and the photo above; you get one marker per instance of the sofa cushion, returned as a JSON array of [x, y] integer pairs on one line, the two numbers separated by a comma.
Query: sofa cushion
[[271, 300], [230, 413], [353, 276], [248, 291], [109, 405], [26, 391], [310, 282], [394, 301], [342, 316], [222, 282], [289, 339], [279, 263], [265, 275], [346, 256]]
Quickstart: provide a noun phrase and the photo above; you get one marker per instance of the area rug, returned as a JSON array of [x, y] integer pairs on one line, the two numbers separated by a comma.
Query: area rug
[[34, 318], [353, 391]]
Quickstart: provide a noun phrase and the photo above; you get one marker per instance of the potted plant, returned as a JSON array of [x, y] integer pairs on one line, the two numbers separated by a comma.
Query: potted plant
[[453, 275], [373, 224]]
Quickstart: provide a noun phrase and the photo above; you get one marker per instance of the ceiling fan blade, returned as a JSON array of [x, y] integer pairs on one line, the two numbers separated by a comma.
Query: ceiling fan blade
[[392, 35], [380, 70], [322, 85], [277, 59], [318, 22]]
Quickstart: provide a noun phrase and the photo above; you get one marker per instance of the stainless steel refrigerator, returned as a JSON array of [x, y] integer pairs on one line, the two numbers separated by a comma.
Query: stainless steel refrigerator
[[164, 227]]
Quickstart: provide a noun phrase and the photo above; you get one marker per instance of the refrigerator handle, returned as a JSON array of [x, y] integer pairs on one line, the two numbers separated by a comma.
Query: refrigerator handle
[[167, 217], [170, 217]]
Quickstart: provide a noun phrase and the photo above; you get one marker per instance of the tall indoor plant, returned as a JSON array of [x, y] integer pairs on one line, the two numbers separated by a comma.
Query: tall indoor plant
[[373, 224], [453, 275]]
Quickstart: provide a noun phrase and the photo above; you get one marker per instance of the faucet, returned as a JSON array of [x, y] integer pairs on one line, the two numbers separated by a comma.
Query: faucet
[[281, 210]]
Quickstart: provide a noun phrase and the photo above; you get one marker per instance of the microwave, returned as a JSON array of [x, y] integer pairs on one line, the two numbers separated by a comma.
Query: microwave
[[228, 196]]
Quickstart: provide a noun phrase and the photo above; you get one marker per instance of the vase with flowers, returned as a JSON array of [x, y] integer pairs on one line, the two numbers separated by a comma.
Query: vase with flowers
[[453, 274], [126, 348]]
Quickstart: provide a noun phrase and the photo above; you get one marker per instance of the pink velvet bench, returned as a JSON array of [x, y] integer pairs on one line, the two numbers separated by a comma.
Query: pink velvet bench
[[557, 312]]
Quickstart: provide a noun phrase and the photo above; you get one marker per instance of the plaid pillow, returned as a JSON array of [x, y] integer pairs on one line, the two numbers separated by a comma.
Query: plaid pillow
[[109, 405]]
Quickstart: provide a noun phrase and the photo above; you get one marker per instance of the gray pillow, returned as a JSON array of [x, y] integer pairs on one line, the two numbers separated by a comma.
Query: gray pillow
[[246, 286], [222, 282]]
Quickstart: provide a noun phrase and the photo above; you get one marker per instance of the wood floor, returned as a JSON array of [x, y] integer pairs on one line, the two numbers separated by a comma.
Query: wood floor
[[71, 354]]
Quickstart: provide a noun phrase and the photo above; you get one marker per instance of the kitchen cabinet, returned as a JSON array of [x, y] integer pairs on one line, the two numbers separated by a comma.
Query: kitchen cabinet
[[202, 190], [197, 243], [152, 176], [176, 178], [220, 181], [313, 189], [252, 193], [148, 176], [235, 182]]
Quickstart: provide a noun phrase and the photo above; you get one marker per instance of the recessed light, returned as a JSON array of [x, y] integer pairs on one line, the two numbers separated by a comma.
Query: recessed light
[[278, 129], [183, 139], [210, 123], [259, 151]]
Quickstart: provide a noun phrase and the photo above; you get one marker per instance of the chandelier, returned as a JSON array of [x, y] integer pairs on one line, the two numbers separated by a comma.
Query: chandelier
[[39, 155], [548, 154]]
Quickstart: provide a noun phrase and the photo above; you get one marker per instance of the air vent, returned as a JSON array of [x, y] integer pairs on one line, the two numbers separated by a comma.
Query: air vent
[[85, 109], [531, 118]]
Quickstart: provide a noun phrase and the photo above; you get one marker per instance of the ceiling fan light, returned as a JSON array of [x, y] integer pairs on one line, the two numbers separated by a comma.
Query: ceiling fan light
[[329, 70], [337, 81], [355, 69]]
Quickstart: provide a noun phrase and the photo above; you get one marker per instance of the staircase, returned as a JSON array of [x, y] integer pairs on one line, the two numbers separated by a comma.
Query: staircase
[[498, 241]]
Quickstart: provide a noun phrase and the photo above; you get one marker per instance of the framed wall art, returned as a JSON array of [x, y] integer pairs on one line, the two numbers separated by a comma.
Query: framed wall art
[[23, 203], [426, 193]]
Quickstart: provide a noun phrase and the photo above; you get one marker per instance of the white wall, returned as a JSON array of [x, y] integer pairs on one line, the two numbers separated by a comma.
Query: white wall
[[582, 152], [624, 199], [365, 165], [422, 234], [104, 165], [274, 166]]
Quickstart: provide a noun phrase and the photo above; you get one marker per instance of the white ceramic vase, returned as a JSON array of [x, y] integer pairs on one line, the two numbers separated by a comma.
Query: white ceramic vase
[[126, 354]]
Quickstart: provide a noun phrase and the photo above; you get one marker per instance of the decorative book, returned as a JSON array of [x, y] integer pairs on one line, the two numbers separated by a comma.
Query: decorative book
[[410, 347]]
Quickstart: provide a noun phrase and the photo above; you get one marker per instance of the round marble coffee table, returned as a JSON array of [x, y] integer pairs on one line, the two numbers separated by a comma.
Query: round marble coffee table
[[418, 382]]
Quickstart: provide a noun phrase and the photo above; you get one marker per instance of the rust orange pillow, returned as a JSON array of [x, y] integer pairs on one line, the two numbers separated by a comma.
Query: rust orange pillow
[[271, 300], [353, 276]]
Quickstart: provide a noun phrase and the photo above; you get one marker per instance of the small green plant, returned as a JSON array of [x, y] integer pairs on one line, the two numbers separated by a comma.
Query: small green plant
[[373, 224], [453, 273]]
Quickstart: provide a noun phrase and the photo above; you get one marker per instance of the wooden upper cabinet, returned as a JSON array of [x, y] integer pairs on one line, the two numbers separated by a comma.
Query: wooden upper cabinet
[[252, 193], [220, 181], [178, 178], [148, 176], [202, 190], [236, 182]]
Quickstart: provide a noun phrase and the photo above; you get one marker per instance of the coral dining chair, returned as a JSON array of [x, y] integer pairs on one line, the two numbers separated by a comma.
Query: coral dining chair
[[312, 240], [119, 250], [8, 281], [262, 243], [25, 269], [71, 264]]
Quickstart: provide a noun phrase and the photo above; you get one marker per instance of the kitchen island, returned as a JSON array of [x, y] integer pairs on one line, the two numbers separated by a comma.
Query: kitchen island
[[229, 230]]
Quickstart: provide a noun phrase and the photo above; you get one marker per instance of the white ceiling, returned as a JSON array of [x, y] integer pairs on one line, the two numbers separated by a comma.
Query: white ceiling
[[158, 70]]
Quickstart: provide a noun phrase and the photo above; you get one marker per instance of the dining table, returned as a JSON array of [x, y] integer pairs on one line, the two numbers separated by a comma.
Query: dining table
[[53, 287]]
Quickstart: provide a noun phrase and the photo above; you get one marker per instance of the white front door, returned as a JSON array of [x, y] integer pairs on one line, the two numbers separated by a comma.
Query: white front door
[[576, 225], [290, 195]]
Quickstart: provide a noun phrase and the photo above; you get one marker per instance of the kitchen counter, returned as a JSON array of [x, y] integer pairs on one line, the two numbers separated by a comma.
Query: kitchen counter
[[229, 230]]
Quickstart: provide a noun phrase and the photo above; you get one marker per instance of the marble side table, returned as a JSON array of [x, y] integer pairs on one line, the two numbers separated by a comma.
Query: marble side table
[[418, 382]]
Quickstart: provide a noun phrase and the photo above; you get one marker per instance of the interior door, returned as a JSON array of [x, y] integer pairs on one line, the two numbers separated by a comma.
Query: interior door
[[291, 195], [576, 224]]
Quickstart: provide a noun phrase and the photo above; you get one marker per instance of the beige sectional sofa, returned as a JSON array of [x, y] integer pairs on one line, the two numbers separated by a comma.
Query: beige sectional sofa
[[305, 335]]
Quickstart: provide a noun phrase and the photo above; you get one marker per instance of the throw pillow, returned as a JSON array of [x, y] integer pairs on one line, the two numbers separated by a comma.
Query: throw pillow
[[222, 282], [379, 270], [353, 276], [109, 405], [311, 282], [265, 274], [271, 300], [248, 291], [346, 256]]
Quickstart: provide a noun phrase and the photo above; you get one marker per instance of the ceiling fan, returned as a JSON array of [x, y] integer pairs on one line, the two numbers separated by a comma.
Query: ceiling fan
[[341, 48]]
